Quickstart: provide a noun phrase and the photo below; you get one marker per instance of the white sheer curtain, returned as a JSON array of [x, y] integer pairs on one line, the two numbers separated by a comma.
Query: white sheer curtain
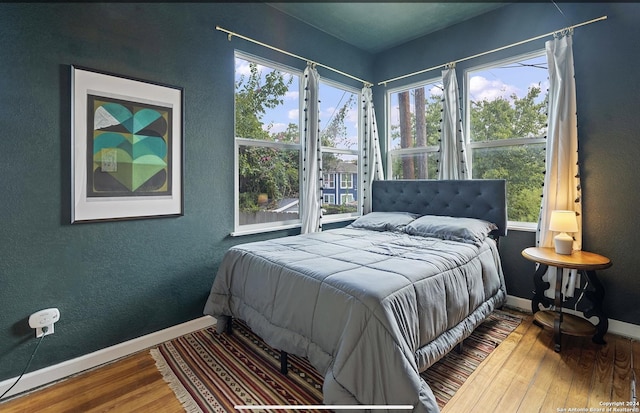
[[562, 178], [372, 157], [453, 158], [312, 156]]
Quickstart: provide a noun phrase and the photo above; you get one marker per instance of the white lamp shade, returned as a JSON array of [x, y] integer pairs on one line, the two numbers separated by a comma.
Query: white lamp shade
[[563, 221]]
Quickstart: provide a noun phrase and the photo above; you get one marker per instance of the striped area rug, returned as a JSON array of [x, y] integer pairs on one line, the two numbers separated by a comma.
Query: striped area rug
[[212, 372]]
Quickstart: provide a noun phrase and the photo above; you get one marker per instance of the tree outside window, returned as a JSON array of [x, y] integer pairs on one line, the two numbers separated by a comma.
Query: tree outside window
[[506, 123], [506, 120], [340, 140], [268, 151], [414, 126], [268, 140]]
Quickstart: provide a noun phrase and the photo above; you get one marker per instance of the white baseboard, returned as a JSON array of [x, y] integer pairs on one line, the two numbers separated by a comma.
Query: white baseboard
[[615, 327], [52, 374]]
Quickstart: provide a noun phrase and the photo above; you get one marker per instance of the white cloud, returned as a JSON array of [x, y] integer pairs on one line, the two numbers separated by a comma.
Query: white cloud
[[293, 114], [242, 67], [483, 89], [352, 117], [435, 91], [395, 115], [292, 95], [350, 120], [326, 113], [543, 85], [276, 127]]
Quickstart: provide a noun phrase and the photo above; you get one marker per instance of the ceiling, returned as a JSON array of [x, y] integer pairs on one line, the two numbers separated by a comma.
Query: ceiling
[[375, 26]]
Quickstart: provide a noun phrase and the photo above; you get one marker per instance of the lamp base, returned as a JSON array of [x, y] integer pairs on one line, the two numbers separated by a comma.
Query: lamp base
[[563, 243]]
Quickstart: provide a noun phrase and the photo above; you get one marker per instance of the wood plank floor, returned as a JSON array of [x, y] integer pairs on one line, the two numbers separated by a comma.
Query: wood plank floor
[[522, 375]]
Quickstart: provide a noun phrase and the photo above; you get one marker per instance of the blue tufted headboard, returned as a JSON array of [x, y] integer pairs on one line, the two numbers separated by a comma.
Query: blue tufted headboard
[[474, 198]]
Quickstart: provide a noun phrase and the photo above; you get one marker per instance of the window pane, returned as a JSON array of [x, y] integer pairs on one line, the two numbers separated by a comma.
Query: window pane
[[267, 103], [508, 101], [329, 180], [342, 196], [415, 116], [522, 166], [414, 166], [338, 117], [268, 184]]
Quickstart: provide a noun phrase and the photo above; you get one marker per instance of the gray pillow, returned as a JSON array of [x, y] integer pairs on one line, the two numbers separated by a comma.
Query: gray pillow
[[467, 230], [384, 221]]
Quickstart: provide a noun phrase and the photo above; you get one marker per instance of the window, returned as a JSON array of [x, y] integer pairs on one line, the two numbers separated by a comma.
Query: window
[[346, 199], [339, 126], [346, 181], [268, 140], [328, 181], [268, 144], [329, 199], [413, 116], [506, 124]]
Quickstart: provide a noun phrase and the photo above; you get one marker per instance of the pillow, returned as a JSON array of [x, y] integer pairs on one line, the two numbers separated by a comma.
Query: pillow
[[384, 221], [468, 230]]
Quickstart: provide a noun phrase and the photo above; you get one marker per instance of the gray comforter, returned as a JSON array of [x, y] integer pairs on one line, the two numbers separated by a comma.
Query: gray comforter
[[370, 310]]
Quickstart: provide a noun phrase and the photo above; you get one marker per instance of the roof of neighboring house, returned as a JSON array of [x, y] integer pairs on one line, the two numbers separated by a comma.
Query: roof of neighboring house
[[288, 205], [344, 167]]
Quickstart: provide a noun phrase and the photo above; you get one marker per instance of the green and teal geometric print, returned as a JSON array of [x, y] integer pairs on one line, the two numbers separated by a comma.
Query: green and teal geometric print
[[129, 148]]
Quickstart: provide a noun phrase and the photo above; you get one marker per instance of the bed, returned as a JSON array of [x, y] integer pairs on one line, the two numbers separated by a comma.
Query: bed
[[375, 303]]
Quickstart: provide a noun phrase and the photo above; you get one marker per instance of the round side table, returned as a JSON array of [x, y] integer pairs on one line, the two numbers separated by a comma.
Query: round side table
[[586, 263]]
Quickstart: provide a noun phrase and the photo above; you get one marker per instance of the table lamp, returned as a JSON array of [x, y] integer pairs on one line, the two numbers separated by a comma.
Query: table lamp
[[563, 222]]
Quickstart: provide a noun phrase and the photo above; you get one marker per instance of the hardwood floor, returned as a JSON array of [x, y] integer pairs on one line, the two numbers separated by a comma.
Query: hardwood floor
[[523, 375], [132, 384]]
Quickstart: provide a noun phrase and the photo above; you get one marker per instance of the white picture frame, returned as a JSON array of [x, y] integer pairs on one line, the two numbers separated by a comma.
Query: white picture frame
[[126, 147]]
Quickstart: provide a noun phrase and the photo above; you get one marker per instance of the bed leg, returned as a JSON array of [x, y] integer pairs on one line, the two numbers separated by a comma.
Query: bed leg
[[284, 367], [229, 327], [459, 347]]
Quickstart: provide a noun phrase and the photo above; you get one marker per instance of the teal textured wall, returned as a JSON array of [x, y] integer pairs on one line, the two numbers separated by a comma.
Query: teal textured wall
[[114, 281]]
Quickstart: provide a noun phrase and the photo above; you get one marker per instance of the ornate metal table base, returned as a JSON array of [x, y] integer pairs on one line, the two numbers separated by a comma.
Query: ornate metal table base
[[593, 293]]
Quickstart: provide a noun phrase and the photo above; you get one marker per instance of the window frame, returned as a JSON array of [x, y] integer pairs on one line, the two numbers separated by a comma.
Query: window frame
[[345, 198], [504, 143], [346, 180], [277, 225], [328, 180], [240, 230], [330, 218], [329, 199]]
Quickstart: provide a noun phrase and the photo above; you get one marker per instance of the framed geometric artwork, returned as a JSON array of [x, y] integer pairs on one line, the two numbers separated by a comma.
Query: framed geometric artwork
[[126, 147]]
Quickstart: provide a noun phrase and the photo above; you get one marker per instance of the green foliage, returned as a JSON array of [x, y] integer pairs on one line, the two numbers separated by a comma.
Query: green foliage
[[264, 170], [339, 209], [503, 119], [253, 97], [521, 165], [268, 170], [335, 134]]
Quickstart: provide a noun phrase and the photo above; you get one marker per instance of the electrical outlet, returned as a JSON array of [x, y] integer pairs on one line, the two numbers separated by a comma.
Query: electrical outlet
[[44, 319]]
